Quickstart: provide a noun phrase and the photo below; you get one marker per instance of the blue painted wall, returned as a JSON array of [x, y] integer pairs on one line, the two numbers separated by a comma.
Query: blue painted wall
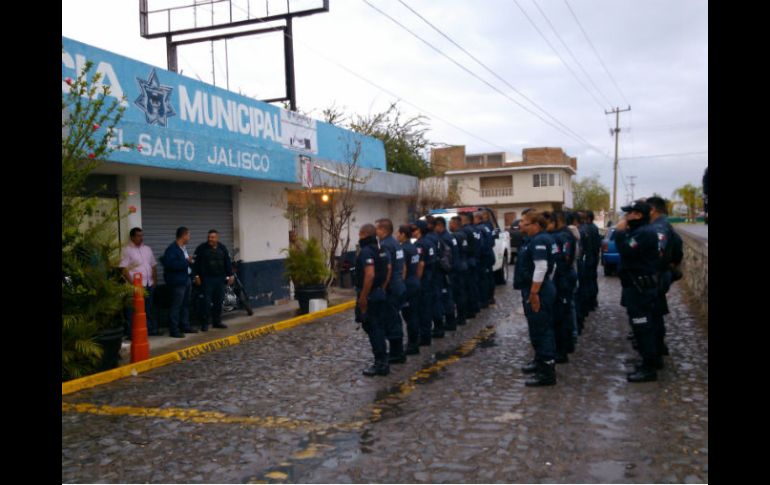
[[184, 124]]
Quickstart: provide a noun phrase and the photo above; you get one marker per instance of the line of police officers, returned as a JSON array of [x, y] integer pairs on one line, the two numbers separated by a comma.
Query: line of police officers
[[548, 273], [436, 283], [446, 277]]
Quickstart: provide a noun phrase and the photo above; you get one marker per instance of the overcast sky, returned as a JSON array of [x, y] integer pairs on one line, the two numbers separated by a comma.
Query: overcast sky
[[656, 51]]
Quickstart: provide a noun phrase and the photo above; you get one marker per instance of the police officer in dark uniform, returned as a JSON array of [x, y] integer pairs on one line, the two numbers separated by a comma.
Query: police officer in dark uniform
[[411, 309], [637, 243], [472, 260], [371, 300], [669, 249], [439, 280], [427, 253], [581, 299], [592, 261], [490, 230], [564, 279], [534, 265], [485, 249], [460, 269], [396, 290], [447, 297]]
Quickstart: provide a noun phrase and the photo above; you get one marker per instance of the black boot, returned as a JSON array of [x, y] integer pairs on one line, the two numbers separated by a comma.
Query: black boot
[[561, 359], [412, 347], [379, 368], [570, 345], [545, 375], [451, 323], [438, 328], [396, 355], [461, 319], [643, 373], [425, 341], [530, 367]]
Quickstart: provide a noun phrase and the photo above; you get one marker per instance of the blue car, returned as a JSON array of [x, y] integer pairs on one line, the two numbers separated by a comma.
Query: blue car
[[610, 255]]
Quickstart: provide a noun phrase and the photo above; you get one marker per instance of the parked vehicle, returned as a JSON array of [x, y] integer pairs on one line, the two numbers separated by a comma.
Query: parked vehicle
[[502, 238], [610, 255], [517, 238]]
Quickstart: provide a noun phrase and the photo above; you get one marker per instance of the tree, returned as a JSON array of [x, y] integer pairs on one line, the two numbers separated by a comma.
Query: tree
[[692, 197], [331, 203], [590, 194], [93, 293]]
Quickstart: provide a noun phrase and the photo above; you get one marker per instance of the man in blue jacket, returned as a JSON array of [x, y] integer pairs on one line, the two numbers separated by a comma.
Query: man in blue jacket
[[176, 272]]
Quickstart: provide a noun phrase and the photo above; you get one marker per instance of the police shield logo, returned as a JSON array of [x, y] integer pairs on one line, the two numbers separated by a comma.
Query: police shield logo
[[554, 248], [155, 100], [632, 243]]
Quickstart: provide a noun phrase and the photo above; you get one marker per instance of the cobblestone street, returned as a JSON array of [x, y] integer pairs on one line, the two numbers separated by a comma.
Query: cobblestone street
[[294, 407]]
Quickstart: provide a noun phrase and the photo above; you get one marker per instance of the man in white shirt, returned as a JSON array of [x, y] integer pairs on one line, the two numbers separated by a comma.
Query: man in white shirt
[[137, 257]]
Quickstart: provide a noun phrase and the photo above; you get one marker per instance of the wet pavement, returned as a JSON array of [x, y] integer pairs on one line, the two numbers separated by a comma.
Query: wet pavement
[[294, 407]]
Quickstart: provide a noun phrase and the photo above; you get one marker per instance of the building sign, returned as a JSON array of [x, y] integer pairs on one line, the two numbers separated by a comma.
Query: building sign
[[183, 124]]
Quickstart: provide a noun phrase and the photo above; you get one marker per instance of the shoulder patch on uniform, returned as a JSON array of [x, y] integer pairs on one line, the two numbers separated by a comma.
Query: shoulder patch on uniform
[[419, 250], [554, 248], [454, 242], [400, 254], [430, 251]]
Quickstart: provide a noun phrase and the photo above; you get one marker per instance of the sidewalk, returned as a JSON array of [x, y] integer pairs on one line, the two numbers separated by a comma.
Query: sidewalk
[[236, 322]]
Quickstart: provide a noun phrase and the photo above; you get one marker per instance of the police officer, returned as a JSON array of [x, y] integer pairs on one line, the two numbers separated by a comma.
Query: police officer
[[427, 253], [490, 230], [371, 300], [396, 290], [414, 269], [637, 243], [473, 238], [447, 297], [564, 279], [572, 226], [485, 248], [592, 261], [460, 269], [439, 279], [581, 299], [534, 264], [670, 251]]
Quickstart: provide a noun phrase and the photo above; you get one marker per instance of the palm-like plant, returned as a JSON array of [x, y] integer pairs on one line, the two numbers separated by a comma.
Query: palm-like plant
[[93, 295]]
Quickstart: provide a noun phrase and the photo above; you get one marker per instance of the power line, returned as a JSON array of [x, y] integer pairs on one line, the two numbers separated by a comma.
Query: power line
[[683, 154], [372, 83], [569, 51], [559, 55], [597, 53], [486, 67], [483, 80]]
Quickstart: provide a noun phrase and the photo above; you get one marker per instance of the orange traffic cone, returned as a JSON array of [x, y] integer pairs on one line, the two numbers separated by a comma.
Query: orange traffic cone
[[140, 345]]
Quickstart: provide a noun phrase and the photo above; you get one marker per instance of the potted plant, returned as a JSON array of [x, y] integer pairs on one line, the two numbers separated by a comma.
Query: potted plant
[[93, 293], [306, 267]]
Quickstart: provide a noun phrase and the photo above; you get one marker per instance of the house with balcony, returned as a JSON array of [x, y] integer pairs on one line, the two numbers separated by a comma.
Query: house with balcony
[[541, 178]]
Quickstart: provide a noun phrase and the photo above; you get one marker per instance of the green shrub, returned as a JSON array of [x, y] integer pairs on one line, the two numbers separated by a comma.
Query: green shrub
[[306, 263]]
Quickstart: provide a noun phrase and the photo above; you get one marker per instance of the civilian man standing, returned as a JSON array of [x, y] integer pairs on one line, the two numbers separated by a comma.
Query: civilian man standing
[[176, 271], [138, 258]]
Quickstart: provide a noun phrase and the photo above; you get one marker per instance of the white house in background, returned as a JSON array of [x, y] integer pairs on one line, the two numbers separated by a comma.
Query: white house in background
[[507, 183]]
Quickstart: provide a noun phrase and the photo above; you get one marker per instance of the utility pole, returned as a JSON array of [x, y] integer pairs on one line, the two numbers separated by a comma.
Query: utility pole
[[614, 210], [632, 184]]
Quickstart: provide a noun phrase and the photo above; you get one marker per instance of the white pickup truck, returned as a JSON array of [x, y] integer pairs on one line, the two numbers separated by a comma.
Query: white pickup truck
[[502, 238]]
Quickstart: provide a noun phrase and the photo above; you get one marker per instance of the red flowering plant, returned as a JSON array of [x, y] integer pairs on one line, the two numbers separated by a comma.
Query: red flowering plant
[[93, 294]]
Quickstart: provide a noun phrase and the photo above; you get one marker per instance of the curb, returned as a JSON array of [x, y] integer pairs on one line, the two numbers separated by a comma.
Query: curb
[[188, 353]]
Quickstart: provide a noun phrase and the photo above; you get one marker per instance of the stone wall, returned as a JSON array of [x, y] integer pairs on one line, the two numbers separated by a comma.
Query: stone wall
[[695, 267]]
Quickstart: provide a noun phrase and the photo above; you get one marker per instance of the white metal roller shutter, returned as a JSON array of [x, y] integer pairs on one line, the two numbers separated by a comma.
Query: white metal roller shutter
[[161, 217]]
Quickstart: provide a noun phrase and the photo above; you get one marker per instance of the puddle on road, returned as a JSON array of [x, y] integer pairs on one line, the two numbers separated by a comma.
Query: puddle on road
[[608, 471]]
